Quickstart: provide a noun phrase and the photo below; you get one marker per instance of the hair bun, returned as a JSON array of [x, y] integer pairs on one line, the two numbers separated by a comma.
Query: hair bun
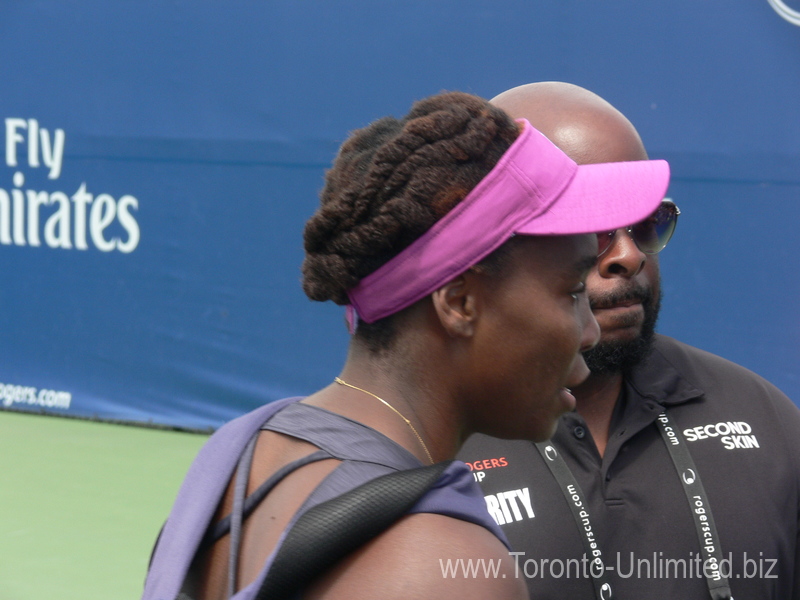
[[392, 180]]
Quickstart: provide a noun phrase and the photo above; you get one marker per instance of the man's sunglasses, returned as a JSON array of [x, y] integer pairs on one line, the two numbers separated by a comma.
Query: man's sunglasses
[[650, 235]]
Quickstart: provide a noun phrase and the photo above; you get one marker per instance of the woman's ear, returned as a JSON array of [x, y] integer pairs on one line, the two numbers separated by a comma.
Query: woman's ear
[[456, 305]]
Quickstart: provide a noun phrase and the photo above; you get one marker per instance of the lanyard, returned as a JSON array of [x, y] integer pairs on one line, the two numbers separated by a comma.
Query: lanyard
[[695, 494], [580, 511], [701, 509]]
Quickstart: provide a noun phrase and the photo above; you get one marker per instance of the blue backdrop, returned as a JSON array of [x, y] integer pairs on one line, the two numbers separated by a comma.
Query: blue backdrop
[[162, 157]]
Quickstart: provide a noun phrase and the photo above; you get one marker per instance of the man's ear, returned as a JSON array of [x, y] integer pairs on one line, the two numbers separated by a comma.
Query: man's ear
[[456, 305]]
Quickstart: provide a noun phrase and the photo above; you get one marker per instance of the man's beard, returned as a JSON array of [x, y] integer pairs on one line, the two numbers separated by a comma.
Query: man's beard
[[620, 356]]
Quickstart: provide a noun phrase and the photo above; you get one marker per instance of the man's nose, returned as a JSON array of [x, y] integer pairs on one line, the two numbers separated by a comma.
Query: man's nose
[[623, 257]]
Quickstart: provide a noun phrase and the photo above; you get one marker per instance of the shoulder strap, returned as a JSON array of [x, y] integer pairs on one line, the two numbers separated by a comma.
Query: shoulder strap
[[333, 529], [197, 501]]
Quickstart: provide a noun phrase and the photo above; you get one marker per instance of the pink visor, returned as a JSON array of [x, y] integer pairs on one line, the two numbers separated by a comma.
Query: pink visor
[[535, 189]]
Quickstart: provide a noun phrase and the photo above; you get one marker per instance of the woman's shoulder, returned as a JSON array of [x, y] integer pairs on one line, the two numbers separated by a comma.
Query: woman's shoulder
[[423, 555]]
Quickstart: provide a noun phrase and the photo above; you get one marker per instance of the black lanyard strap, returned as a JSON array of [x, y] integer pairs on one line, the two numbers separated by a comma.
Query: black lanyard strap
[[700, 507], [580, 511]]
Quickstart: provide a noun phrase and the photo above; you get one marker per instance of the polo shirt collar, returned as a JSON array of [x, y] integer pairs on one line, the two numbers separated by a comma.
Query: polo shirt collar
[[658, 379]]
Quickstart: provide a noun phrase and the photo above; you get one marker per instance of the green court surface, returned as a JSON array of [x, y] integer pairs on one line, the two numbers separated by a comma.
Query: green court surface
[[81, 504]]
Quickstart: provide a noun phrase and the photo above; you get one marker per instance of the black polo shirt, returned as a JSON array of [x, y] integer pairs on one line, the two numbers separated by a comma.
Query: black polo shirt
[[744, 436]]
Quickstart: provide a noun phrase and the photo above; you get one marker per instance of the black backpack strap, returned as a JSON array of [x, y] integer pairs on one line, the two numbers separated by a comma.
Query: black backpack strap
[[331, 530]]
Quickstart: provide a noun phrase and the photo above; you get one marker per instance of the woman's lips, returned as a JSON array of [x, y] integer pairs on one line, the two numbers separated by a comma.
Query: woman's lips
[[568, 399]]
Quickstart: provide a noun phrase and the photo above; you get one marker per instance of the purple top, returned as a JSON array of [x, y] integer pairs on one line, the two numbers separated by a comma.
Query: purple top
[[364, 454]]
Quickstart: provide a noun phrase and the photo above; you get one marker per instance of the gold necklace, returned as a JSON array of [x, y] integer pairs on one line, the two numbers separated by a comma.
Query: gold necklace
[[399, 414]]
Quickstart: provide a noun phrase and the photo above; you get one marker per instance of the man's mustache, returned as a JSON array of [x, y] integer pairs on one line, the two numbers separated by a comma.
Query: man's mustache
[[630, 293]]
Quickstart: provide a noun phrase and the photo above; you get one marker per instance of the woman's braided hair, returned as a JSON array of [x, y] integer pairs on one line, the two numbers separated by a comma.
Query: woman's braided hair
[[391, 181]]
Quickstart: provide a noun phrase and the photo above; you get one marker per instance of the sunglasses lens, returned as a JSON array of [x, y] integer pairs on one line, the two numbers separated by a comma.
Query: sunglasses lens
[[604, 241], [652, 234]]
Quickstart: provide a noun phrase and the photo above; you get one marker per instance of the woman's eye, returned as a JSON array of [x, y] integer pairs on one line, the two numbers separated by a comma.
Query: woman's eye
[[581, 289]]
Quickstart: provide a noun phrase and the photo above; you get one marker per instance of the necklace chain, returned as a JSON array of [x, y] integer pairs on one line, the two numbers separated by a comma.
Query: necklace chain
[[399, 414]]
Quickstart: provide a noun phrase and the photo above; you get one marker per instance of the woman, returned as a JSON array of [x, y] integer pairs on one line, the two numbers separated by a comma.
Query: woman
[[459, 241]]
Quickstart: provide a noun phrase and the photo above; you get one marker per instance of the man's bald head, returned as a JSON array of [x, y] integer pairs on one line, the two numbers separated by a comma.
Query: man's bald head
[[586, 127]]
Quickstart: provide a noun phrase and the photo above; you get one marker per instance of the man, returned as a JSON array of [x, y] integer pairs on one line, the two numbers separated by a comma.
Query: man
[[613, 515]]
